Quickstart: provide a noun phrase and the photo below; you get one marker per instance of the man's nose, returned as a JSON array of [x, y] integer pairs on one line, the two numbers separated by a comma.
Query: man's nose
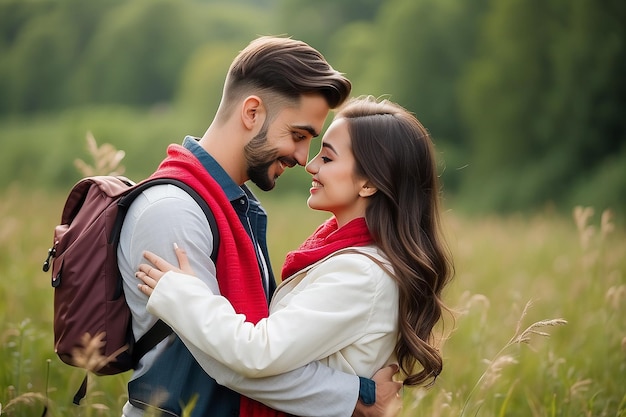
[[302, 152]]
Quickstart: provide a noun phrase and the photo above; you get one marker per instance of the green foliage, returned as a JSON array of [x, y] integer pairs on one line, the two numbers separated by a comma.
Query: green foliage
[[414, 53], [322, 19], [138, 32], [356, 44], [203, 79], [73, 52], [40, 152], [44, 46], [602, 185], [542, 97], [524, 99], [425, 46]]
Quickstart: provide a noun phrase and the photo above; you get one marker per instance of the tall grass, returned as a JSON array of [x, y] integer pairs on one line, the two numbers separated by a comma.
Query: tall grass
[[509, 351]]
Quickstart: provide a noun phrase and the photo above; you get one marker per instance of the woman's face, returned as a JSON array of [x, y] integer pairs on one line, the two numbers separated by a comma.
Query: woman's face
[[335, 187]]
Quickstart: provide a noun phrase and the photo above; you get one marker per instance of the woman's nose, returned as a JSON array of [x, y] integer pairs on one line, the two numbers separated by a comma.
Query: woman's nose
[[311, 166]]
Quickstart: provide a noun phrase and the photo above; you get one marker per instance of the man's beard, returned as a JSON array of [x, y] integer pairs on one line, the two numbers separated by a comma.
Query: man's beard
[[260, 158]]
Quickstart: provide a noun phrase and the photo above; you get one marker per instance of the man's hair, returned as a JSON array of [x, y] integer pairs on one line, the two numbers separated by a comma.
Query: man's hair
[[284, 69]]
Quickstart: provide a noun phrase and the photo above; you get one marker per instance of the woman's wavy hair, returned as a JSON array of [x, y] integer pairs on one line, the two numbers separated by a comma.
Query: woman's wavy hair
[[395, 153]]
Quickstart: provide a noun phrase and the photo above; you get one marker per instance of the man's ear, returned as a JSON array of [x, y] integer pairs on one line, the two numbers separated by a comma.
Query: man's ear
[[367, 190], [252, 112]]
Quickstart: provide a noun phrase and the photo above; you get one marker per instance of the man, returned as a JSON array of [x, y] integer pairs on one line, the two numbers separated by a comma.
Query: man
[[276, 97]]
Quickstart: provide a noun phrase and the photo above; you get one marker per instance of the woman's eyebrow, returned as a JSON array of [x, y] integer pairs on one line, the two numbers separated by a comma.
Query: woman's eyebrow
[[329, 146]]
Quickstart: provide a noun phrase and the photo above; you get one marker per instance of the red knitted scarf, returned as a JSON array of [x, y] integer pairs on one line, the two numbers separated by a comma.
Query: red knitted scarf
[[238, 272], [324, 241]]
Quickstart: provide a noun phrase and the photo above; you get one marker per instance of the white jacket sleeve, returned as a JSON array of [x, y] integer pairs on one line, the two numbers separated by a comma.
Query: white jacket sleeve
[[313, 390], [332, 311]]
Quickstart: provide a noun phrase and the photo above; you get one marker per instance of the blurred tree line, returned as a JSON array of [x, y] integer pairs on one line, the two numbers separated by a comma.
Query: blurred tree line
[[524, 98]]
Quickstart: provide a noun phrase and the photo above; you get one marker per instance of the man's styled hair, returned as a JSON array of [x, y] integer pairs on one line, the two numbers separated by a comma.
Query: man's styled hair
[[286, 68]]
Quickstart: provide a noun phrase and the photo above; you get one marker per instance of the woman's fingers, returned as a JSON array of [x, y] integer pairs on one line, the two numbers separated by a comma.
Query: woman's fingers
[[148, 283], [159, 263], [164, 266], [145, 289], [151, 273], [183, 260]]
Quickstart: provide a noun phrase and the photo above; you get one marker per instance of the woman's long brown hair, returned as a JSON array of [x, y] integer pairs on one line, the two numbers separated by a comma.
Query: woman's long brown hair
[[395, 153]]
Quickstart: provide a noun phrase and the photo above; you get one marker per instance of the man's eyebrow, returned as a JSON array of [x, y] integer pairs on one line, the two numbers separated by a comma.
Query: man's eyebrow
[[307, 128]]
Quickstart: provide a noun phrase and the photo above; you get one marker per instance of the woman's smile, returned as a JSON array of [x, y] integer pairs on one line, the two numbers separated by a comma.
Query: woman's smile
[[315, 185]]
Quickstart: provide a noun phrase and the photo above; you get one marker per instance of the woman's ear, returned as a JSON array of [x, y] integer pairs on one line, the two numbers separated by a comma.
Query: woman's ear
[[367, 190], [252, 112]]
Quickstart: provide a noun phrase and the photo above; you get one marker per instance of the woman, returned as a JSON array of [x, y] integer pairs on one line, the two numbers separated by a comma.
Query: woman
[[364, 290]]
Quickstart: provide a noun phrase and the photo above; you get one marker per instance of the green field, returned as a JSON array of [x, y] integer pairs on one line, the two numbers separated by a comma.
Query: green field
[[502, 356]]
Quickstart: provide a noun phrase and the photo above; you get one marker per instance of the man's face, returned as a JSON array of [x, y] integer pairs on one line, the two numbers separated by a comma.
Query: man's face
[[285, 141]]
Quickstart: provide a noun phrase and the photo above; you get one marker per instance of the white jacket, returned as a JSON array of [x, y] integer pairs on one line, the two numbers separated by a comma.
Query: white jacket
[[343, 311]]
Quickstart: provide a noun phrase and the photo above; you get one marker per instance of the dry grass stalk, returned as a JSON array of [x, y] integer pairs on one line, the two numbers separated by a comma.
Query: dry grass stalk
[[442, 405], [586, 231], [606, 223], [157, 397], [582, 215], [106, 159], [187, 410], [580, 387], [525, 336], [88, 356], [494, 370], [500, 361], [615, 296], [9, 333], [100, 408], [27, 399], [469, 301]]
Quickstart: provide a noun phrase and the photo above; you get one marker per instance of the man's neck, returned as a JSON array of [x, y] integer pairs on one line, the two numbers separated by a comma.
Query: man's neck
[[227, 150]]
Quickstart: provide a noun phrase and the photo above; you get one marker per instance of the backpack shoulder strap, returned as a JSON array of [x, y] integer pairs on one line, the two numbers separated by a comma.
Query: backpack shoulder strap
[[126, 201], [160, 330]]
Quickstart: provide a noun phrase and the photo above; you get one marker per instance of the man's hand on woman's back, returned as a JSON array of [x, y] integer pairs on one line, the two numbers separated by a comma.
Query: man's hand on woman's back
[[388, 400]]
